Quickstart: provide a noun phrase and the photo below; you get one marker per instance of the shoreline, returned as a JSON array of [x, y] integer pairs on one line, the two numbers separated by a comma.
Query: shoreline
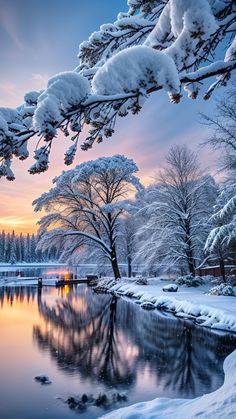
[[201, 314]]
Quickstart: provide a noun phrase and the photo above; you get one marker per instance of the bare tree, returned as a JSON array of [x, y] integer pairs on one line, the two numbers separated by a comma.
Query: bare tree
[[85, 205], [156, 44], [181, 201]]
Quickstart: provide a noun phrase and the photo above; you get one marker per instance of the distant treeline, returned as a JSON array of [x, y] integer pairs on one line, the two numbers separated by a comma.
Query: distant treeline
[[23, 248]]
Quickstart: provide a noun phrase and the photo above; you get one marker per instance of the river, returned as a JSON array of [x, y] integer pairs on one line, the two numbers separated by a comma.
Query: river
[[90, 343]]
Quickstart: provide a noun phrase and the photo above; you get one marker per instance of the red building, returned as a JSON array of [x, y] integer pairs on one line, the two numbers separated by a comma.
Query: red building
[[216, 270]]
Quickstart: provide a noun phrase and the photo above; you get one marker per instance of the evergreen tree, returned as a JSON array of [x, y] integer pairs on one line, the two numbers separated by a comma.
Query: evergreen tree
[[12, 248]]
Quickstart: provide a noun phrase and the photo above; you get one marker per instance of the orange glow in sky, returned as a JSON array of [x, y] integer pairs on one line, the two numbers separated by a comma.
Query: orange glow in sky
[[31, 55]]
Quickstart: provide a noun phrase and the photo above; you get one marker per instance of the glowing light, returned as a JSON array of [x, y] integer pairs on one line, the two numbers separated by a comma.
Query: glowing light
[[66, 276]]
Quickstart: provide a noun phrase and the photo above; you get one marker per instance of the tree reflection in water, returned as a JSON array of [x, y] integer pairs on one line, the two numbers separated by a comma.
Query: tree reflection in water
[[111, 341], [114, 342], [82, 334], [20, 294]]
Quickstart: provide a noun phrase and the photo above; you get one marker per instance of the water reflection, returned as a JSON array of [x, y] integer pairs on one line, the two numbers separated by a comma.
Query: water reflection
[[18, 294], [112, 342], [82, 335]]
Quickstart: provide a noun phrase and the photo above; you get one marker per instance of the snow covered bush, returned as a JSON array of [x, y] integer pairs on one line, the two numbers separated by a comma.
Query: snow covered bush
[[222, 289], [170, 288], [190, 280], [229, 280], [173, 45], [141, 281]]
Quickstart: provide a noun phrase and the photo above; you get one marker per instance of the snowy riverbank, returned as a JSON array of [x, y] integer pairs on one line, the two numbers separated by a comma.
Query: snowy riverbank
[[216, 312], [219, 404]]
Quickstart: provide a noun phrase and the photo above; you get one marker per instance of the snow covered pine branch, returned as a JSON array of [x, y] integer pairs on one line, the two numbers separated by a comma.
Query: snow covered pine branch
[[158, 44]]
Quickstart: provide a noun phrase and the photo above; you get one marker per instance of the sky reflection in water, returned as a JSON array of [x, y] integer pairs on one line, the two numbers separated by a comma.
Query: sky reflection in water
[[90, 343]]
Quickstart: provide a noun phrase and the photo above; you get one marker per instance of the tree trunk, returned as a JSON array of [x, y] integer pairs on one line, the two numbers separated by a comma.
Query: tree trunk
[[191, 267], [190, 258], [189, 249], [114, 263], [222, 268], [129, 262], [115, 268]]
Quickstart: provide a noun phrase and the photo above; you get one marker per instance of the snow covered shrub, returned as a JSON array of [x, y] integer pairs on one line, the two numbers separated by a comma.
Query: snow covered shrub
[[170, 288], [222, 289], [189, 280], [141, 281], [231, 280]]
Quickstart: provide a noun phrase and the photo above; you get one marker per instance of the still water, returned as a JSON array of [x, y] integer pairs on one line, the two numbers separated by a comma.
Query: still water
[[91, 343]]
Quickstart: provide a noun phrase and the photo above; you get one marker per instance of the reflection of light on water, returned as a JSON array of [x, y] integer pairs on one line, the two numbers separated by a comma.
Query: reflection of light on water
[[56, 272], [66, 275], [66, 289], [52, 273], [132, 351]]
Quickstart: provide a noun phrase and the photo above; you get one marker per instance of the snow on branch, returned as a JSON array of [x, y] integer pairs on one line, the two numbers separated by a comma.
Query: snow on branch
[[157, 44], [90, 237], [85, 206]]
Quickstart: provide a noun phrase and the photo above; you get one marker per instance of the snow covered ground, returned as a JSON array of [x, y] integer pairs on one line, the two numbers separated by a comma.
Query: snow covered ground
[[219, 404], [217, 312]]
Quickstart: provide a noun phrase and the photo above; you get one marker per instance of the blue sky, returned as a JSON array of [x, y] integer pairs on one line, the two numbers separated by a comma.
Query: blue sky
[[39, 38]]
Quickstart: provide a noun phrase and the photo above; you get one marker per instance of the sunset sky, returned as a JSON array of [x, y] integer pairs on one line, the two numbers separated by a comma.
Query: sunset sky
[[39, 38]]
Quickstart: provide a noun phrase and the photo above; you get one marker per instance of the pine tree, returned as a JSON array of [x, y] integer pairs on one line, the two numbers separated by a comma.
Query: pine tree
[[12, 248]]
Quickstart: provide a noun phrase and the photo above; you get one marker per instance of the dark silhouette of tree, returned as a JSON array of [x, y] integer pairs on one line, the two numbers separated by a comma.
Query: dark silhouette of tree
[[90, 334]]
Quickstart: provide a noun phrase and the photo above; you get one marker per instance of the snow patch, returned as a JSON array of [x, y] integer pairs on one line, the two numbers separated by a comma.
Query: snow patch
[[136, 68], [219, 404]]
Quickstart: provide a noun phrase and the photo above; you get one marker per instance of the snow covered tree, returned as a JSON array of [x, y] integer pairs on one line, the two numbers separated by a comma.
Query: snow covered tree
[[2, 246], [19, 248], [172, 45], [85, 205], [222, 238], [176, 227], [7, 249], [13, 256]]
